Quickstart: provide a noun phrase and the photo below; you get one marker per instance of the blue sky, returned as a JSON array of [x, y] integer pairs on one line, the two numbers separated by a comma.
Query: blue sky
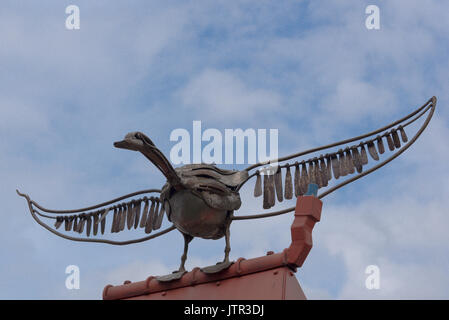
[[309, 69]]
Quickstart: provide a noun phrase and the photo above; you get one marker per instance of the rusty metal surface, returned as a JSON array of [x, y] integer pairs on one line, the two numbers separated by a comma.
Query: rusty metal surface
[[397, 142], [288, 184], [403, 134], [258, 186], [304, 177], [278, 185], [372, 151], [297, 180], [390, 142]]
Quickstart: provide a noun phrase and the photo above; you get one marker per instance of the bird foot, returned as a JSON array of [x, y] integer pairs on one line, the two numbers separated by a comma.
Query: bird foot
[[220, 266], [176, 275]]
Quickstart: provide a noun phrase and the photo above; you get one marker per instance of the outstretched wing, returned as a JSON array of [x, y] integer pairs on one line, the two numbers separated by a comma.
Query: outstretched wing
[[344, 161], [136, 210]]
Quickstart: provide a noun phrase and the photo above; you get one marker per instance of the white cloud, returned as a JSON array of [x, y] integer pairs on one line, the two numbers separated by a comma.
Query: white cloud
[[354, 99], [222, 96]]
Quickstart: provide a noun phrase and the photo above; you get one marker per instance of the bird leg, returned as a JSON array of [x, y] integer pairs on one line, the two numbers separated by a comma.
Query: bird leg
[[187, 239], [225, 263], [176, 275], [227, 246]]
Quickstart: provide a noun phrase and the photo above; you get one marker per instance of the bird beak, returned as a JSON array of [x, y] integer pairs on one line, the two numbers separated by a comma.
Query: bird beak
[[131, 142]]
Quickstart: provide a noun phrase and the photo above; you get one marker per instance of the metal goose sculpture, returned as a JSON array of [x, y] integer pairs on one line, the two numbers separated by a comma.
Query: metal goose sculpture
[[200, 199]]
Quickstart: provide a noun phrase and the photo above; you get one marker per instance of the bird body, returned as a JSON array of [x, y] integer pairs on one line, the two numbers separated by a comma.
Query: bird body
[[202, 208], [191, 215]]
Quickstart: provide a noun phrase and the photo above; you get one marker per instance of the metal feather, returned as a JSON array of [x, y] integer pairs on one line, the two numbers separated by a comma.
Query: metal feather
[[390, 142], [137, 214], [328, 167], [266, 191], [144, 213], [102, 214], [342, 162], [71, 218], [272, 197], [123, 214], [156, 214], [258, 186], [159, 218], [312, 176], [59, 221], [403, 135], [278, 184], [335, 166], [66, 223], [316, 167], [363, 155], [114, 221], [380, 144], [372, 150], [96, 219], [349, 161], [82, 223], [323, 172], [356, 160], [88, 224], [297, 178], [103, 220], [304, 180], [397, 142], [75, 224], [288, 183], [121, 217], [130, 215], [150, 217]]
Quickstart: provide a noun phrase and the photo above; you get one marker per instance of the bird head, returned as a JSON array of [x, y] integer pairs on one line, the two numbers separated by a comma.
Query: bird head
[[135, 141]]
